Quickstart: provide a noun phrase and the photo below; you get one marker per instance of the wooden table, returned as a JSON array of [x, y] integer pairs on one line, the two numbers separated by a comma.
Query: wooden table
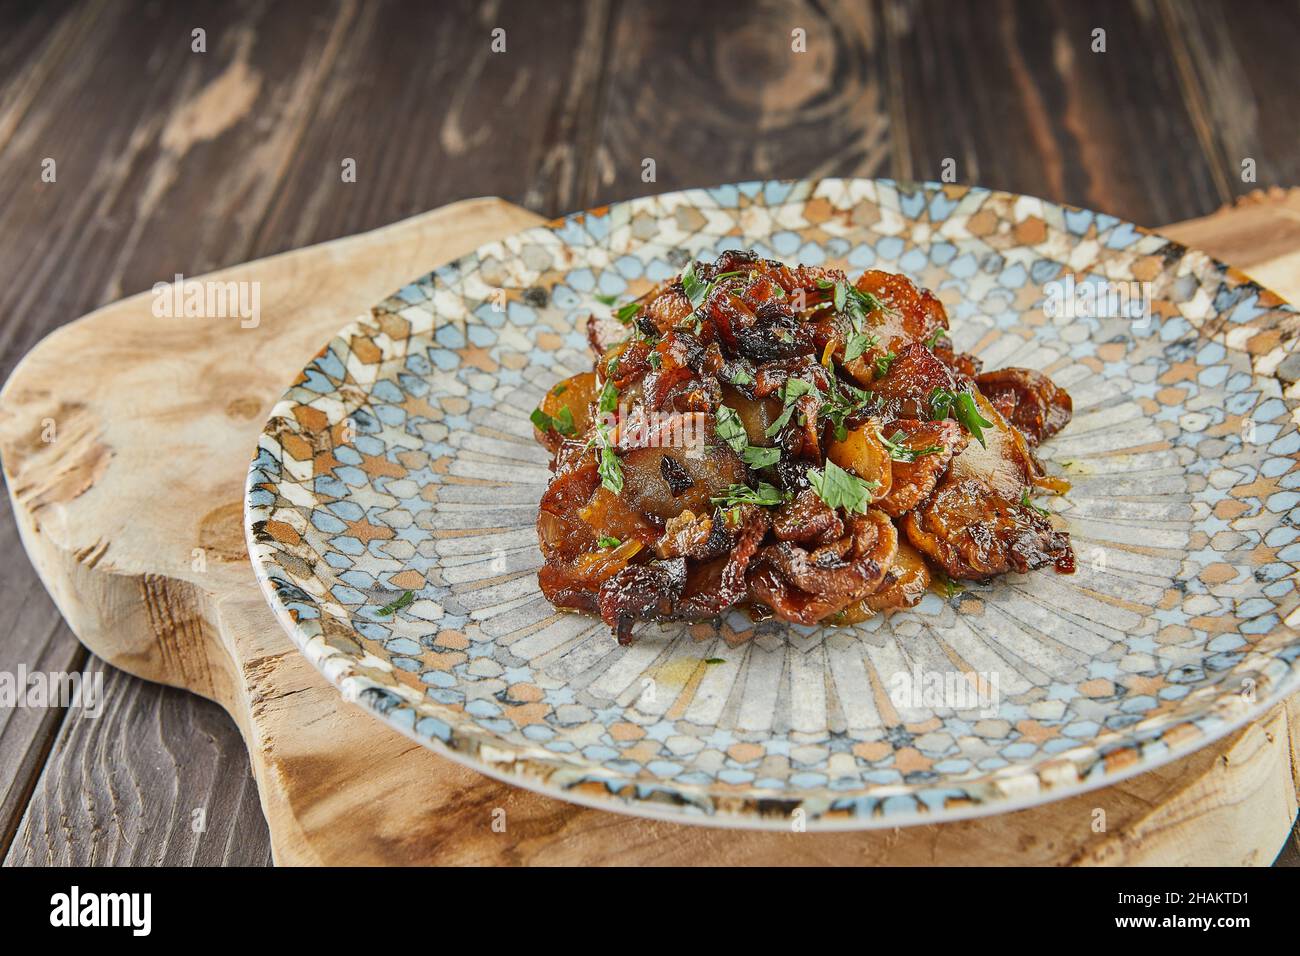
[[168, 160]]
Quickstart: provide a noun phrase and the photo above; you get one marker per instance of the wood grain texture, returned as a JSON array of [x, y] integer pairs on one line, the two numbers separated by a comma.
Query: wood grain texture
[[149, 802], [171, 161]]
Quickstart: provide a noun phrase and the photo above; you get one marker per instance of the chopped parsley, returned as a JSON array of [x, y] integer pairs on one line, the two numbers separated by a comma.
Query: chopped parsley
[[883, 363], [608, 396], [607, 541], [1025, 502], [731, 429], [794, 388], [962, 407], [562, 422], [757, 457], [840, 489], [406, 598], [606, 299], [970, 417], [738, 376], [858, 343], [695, 289], [714, 660], [900, 451], [559, 389], [765, 495], [655, 359], [950, 587], [609, 466], [933, 340]]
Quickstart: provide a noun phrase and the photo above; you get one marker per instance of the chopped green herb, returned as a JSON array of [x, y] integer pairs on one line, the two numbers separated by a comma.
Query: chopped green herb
[[969, 416], [757, 457], [655, 359], [793, 389], [731, 429], [607, 541], [627, 313], [858, 343], [766, 495], [608, 396], [933, 340], [841, 295], [714, 660], [609, 467], [562, 423], [950, 587], [1025, 502], [407, 598], [899, 451], [738, 376], [883, 363], [695, 289], [840, 489], [606, 299], [560, 389], [940, 404]]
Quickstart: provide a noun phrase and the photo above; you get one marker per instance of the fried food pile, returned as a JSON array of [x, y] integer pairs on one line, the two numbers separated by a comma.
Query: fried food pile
[[780, 438]]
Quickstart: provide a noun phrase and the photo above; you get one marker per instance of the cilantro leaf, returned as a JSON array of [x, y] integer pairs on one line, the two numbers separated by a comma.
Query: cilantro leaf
[[407, 597], [766, 495], [606, 299], [899, 450], [608, 396], [731, 429], [627, 313], [1025, 502], [695, 289], [858, 343], [935, 336], [757, 457], [840, 489], [883, 363], [940, 404], [607, 541], [969, 416], [562, 422]]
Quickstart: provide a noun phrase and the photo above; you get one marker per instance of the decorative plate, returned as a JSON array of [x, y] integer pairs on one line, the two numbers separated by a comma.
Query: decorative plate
[[402, 460]]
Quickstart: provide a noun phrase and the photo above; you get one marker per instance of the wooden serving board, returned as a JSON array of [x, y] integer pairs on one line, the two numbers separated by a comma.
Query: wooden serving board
[[132, 514]]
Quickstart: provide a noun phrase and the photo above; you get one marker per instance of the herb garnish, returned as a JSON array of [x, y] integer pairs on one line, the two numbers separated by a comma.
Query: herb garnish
[[858, 343], [1025, 502], [935, 336], [608, 396], [606, 299], [883, 362], [607, 541], [962, 407], [793, 388], [765, 495], [406, 598], [950, 587], [561, 422], [609, 466], [732, 430], [840, 489], [627, 313], [899, 451]]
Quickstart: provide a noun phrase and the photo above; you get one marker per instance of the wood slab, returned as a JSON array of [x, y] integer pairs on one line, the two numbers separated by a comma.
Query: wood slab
[[132, 515]]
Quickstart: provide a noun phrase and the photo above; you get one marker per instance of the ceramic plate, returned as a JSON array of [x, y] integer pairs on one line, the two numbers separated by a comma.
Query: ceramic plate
[[402, 460]]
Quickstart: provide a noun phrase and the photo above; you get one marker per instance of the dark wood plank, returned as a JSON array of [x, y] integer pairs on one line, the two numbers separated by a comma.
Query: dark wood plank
[[717, 94], [1237, 66], [430, 114], [1015, 94], [123, 788], [166, 159]]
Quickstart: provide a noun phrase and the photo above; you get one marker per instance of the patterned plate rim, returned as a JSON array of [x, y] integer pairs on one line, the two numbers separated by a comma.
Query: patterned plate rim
[[481, 751]]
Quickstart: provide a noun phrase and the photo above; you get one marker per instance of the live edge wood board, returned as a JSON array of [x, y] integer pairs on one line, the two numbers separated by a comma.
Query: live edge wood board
[[113, 510]]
